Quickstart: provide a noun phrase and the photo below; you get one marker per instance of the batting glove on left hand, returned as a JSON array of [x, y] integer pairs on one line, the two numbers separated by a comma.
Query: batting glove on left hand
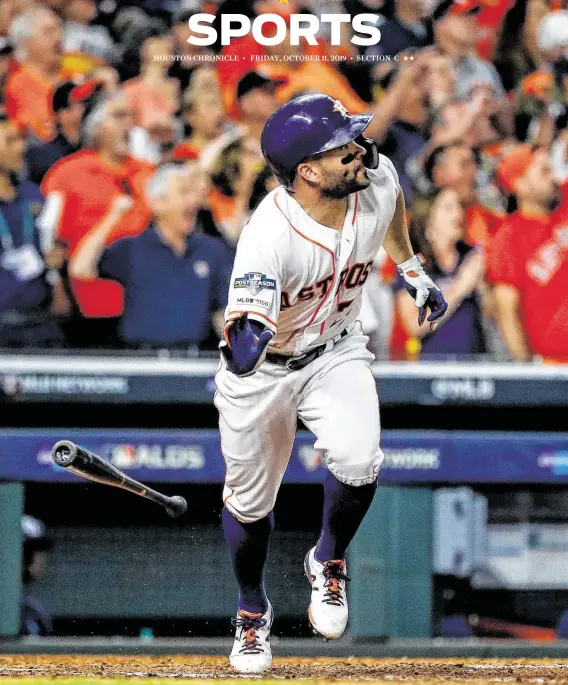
[[423, 290], [243, 350]]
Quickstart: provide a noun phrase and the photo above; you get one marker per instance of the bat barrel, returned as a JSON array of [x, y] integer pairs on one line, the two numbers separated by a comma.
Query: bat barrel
[[87, 465], [176, 506], [64, 453]]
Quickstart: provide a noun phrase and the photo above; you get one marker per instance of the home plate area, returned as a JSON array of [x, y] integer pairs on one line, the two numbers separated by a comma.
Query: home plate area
[[68, 670]]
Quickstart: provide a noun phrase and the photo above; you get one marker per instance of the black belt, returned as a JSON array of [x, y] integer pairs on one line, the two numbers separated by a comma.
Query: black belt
[[297, 363]]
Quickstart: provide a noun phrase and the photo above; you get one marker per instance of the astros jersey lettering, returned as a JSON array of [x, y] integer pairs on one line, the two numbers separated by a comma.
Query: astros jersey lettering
[[302, 280]]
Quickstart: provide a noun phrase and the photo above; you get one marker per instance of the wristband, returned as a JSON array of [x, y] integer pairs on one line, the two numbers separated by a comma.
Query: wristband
[[415, 262]]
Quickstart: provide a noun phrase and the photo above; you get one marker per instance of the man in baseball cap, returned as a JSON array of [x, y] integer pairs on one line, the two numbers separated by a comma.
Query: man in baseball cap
[[527, 262], [516, 167], [68, 104], [455, 33]]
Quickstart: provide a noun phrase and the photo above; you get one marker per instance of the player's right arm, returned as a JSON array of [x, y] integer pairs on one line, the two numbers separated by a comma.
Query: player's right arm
[[253, 305], [256, 280]]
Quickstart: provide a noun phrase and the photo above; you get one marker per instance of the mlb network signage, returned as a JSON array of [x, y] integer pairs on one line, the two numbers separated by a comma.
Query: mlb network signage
[[297, 26], [194, 456]]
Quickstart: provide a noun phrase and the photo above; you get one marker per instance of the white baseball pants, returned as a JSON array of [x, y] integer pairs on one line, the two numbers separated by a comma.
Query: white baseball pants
[[335, 396]]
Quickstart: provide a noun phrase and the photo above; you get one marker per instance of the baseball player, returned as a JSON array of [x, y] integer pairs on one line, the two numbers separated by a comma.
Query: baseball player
[[293, 348]]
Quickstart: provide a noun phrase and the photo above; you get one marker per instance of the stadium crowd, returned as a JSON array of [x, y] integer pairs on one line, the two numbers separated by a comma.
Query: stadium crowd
[[130, 160]]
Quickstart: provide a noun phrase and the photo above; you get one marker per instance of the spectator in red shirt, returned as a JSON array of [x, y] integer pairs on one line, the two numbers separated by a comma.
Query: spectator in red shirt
[[80, 191], [528, 261]]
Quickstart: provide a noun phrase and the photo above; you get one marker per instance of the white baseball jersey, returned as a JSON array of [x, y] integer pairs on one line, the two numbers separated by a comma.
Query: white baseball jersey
[[301, 279]]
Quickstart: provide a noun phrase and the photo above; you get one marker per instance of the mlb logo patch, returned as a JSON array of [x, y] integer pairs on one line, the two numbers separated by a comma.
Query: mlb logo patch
[[255, 282]]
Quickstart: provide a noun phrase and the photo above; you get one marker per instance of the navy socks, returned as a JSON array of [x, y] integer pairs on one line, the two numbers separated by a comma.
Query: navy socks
[[248, 546], [344, 507]]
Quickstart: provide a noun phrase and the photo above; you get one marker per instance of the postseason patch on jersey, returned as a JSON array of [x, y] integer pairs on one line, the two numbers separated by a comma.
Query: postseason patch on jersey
[[255, 282]]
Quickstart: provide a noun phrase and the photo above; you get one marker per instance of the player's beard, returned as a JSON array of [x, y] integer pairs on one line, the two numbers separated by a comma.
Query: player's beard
[[348, 183]]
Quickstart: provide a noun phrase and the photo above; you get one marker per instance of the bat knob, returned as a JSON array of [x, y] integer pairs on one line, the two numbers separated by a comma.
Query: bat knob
[[63, 453], [177, 506]]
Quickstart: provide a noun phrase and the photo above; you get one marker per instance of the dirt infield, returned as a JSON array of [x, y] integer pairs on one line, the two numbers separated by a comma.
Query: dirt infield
[[94, 669]]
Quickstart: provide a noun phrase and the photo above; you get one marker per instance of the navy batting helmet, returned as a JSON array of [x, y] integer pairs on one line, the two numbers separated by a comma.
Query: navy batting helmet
[[308, 125]]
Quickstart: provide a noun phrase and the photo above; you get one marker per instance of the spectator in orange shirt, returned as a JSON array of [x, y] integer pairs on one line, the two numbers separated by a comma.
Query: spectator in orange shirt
[[80, 190], [37, 37], [454, 166], [528, 261]]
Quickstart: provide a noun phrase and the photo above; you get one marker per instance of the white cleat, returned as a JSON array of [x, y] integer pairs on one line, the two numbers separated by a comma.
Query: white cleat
[[251, 650], [328, 611]]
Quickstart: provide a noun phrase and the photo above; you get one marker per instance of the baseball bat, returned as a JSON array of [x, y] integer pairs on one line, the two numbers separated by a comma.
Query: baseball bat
[[83, 463]]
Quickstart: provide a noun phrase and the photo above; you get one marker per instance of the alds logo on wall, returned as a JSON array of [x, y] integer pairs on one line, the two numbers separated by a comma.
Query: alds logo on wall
[[255, 282]]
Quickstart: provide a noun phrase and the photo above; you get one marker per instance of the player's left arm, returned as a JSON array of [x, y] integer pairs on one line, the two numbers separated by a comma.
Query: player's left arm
[[420, 286]]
